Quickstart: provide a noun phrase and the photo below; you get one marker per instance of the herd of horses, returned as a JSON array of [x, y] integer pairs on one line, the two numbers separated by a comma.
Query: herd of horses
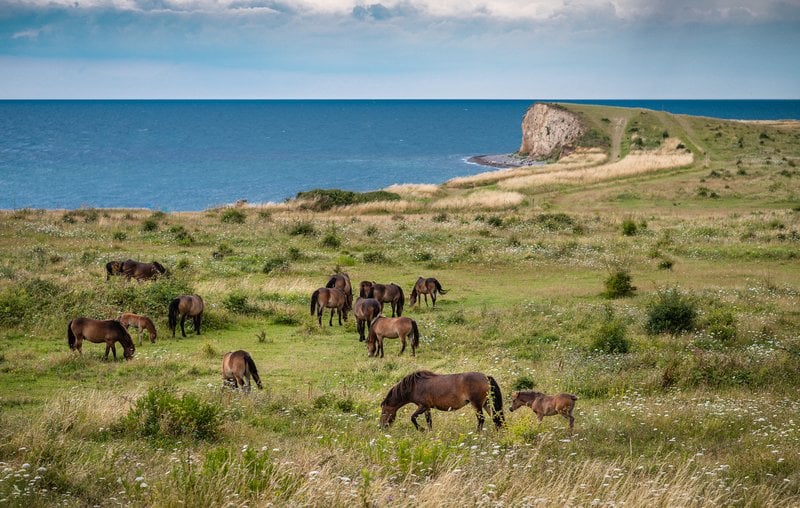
[[444, 392]]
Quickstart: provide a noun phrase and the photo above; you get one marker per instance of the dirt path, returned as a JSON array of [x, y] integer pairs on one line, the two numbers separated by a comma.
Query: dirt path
[[618, 127]]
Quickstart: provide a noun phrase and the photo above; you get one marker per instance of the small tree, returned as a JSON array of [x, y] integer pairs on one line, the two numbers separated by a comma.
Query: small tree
[[618, 284], [671, 312]]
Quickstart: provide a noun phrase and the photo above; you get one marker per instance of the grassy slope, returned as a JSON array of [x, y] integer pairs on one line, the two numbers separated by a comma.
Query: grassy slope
[[524, 303]]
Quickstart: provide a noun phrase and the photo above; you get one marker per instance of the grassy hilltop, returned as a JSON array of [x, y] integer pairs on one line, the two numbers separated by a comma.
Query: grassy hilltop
[[653, 272]]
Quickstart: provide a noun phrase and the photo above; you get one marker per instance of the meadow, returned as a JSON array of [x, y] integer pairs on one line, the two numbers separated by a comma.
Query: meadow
[[666, 299]]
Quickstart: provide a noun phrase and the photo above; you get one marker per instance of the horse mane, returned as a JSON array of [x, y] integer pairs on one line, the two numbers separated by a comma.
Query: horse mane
[[126, 340], [402, 389]]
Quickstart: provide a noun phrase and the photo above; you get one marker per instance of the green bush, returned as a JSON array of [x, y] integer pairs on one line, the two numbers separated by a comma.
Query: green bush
[[331, 241], [720, 324], [160, 414], [119, 235], [152, 298], [609, 336], [670, 311], [618, 284], [629, 227], [495, 221], [324, 199], [371, 230], [554, 221], [302, 229], [149, 225], [233, 216], [183, 264], [523, 382], [237, 302], [375, 258], [274, 264], [181, 236], [440, 217]]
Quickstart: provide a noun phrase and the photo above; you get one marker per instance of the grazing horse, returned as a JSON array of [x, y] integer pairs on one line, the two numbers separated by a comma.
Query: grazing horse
[[365, 310], [186, 305], [546, 405], [140, 323], [330, 298], [238, 366], [429, 286], [445, 392], [97, 331], [142, 271], [342, 281], [113, 268], [392, 328], [385, 293]]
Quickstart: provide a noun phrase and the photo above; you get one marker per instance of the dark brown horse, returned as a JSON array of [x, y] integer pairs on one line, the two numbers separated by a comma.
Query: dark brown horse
[[365, 310], [142, 271], [429, 286], [186, 305], [113, 268], [546, 405], [97, 331], [385, 293], [445, 392], [392, 328], [329, 298], [140, 323], [342, 281], [237, 367]]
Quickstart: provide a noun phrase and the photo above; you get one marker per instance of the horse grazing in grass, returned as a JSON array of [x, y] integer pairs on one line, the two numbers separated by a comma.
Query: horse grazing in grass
[[186, 306], [142, 271], [392, 328], [546, 405], [329, 298], [113, 268], [429, 286], [140, 323], [365, 310], [97, 331], [385, 293], [342, 281], [445, 392], [237, 367]]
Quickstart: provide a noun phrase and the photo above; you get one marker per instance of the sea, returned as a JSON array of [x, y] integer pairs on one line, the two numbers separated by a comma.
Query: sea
[[193, 155]]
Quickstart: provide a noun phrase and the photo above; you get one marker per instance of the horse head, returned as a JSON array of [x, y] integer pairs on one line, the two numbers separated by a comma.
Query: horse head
[[388, 414]]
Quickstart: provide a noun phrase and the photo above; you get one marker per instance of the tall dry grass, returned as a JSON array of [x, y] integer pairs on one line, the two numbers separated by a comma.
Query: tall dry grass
[[483, 199]]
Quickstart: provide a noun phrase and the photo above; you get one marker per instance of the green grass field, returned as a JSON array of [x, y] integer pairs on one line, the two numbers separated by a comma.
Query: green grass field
[[696, 415]]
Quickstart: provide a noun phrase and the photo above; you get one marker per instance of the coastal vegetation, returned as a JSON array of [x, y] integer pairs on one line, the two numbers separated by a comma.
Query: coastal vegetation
[[669, 312]]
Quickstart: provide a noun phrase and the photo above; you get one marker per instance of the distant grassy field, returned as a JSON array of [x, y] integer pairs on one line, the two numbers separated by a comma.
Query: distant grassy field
[[687, 386]]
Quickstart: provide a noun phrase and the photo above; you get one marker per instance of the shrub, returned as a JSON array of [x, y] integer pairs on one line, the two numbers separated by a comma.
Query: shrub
[[345, 260], [152, 298], [159, 413], [302, 229], [119, 235], [629, 227], [670, 311], [181, 236], [149, 225], [665, 264], [554, 221], [720, 325], [324, 199], [618, 284], [183, 264], [233, 216], [237, 302], [440, 217], [494, 221], [294, 254], [523, 382], [223, 250], [609, 336], [422, 256], [277, 263], [371, 230], [375, 258], [331, 241]]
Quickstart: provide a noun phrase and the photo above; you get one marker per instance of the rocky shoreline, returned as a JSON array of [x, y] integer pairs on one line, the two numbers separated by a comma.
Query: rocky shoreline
[[504, 161]]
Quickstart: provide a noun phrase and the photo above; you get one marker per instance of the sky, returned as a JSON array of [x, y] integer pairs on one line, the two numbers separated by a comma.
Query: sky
[[350, 49]]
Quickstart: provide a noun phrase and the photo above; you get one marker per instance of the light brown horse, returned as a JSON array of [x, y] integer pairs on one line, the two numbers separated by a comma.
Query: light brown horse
[[546, 405], [186, 305], [113, 268], [329, 298], [237, 367], [142, 271], [385, 293], [342, 281], [97, 331], [392, 328], [429, 286], [445, 392], [365, 310], [140, 323]]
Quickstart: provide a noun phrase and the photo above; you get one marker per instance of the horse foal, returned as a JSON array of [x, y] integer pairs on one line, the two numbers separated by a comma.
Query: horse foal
[[140, 323], [546, 405], [237, 367]]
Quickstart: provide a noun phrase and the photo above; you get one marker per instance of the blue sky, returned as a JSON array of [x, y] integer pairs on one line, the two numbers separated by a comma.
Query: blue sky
[[400, 49]]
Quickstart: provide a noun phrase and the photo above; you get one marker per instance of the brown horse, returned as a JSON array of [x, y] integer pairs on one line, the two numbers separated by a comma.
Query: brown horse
[[142, 271], [330, 298], [342, 281], [238, 366], [97, 331], [140, 323], [385, 293], [446, 392], [429, 286], [392, 328], [113, 268], [546, 405], [365, 310], [186, 305]]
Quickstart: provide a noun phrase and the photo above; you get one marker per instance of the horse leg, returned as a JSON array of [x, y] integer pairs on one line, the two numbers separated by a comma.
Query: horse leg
[[421, 409], [403, 341], [433, 299], [380, 345], [428, 419], [183, 320], [140, 335], [330, 321], [339, 315], [197, 320], [108, 348], [426, 299], [479, 414]]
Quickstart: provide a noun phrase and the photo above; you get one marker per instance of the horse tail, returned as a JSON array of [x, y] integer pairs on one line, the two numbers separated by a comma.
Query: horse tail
[[497, 402], [439, 287], [108, 269], [415, 331], [251, 365], [173, 313], [70, 336], [401, 301], [314, 298], [331, 282]]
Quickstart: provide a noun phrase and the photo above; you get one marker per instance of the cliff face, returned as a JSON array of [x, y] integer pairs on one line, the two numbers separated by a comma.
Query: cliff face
[[549, 130]]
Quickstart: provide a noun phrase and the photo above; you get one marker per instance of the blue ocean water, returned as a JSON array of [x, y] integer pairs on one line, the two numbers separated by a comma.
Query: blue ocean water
[[191, 155]]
